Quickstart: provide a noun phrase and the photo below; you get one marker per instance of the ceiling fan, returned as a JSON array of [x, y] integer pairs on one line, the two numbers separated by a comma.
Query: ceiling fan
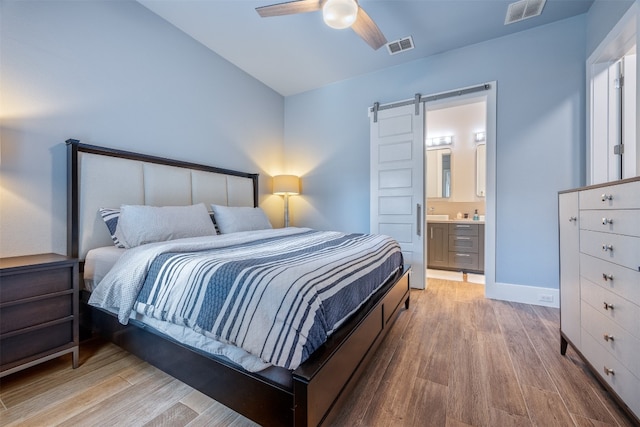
[[336, 14]]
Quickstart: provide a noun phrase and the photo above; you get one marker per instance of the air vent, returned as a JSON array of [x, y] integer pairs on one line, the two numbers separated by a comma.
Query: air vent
[[400, 45], [523, 9]]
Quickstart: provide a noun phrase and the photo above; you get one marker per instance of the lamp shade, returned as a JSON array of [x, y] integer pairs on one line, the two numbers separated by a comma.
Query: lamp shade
[[340, 14], [286, 184]]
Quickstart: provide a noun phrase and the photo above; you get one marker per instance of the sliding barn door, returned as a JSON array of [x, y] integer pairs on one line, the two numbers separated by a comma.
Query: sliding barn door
[[397, 182]]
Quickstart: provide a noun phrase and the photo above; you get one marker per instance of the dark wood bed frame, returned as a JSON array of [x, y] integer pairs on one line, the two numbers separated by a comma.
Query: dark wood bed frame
[[318, 386]]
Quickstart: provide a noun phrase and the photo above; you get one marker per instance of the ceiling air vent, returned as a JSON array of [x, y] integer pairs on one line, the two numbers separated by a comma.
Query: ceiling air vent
[[523, 9], [400, 45]]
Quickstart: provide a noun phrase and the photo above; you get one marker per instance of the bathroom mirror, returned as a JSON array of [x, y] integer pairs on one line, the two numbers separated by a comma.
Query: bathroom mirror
[[439, 173], [481, 156]]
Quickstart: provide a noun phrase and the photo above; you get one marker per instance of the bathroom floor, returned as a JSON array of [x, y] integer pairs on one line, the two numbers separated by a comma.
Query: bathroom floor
[[457, 276]]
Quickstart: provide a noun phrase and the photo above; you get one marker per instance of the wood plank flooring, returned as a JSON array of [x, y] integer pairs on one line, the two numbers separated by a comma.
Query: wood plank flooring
[[453, 359]]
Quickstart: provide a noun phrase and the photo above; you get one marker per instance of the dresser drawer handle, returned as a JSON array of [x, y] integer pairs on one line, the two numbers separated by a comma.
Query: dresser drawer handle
[[609, 371], [608, 306], [607, 277], [465, 255], [607, 248], [463, 238], [606, 221], [462, 226], [608, 337], [606, 197]]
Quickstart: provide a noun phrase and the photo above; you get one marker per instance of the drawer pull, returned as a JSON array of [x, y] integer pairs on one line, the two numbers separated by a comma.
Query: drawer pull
[[607, 248], [607, 277], [608, 337], [572, 218], [606, 221], [467, 255], [462, 226], [463, 238], [608, 306], [609, 371], [606, 197]]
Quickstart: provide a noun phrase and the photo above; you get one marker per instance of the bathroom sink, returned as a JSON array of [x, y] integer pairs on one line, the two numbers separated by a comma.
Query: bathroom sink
[[437, 217]]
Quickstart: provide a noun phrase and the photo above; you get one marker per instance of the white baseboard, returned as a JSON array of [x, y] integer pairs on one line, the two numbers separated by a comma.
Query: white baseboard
[[525, 294]]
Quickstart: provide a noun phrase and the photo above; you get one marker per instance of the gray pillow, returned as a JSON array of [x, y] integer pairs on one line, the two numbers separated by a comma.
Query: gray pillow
[[138, 224], [231, 219]]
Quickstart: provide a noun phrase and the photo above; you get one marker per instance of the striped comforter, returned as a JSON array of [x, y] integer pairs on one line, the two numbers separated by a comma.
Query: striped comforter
[[278, 294]]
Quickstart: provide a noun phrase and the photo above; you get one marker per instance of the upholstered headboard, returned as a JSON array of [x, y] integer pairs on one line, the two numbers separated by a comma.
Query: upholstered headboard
[[106, 178]]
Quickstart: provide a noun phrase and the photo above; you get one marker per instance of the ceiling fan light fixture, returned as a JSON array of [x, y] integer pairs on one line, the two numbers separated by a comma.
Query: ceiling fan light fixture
[[340, 14]]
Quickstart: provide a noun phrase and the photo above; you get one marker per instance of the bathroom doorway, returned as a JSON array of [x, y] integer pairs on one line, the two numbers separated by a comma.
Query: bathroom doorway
[[455, 187]]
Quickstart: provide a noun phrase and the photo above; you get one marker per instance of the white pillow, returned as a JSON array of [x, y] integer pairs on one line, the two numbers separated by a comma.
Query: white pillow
[[231, 219], [139, 224]]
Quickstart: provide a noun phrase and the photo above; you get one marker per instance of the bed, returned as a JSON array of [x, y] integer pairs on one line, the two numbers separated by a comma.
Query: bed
[[306, 387]]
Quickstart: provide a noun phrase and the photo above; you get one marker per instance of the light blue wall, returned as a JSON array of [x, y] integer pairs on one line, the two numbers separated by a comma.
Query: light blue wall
[[601, 18], [112, 73], [540, 76]]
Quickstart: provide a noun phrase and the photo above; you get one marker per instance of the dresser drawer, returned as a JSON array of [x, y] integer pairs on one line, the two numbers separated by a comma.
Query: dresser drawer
[[463, 229], [613, 307], [620, 280], [18, 316], [37, 282], [623, 382], [622, 250], [463, 243], [616, 340], [32, 343], [625, 222], [463, 260], [617, 196]]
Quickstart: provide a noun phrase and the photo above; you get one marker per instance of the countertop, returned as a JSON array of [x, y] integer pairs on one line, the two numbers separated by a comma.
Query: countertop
[[456, 221]]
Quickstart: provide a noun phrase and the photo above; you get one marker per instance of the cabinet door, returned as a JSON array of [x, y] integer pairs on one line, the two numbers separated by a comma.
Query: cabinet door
[[438, 245], [569, 266]]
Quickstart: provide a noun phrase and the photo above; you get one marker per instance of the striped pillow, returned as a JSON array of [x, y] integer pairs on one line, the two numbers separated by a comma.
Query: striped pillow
[[110, 218]]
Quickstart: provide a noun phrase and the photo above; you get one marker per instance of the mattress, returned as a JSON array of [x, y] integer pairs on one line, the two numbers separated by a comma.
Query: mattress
[[98, 263]]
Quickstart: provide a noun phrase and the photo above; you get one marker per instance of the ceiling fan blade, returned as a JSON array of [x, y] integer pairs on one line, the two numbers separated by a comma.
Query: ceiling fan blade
[[289, 8], [368, 30]]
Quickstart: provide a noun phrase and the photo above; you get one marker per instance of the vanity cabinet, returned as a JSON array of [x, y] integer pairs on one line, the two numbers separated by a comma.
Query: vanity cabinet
[[39, 310], [600, 308], [456, 246], [438, 245]]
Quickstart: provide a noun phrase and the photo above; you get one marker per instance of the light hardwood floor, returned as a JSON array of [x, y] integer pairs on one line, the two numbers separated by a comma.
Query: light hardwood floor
[[453, 359]]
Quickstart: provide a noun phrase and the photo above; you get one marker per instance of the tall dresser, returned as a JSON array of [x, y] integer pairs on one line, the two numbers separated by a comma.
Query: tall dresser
[[600, 283]]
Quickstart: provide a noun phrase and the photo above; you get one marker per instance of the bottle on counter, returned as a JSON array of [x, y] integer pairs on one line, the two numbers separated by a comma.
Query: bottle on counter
[[476, 217]]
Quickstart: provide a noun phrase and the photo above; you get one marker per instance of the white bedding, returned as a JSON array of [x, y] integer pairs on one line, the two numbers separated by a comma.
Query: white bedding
[[98, 263]]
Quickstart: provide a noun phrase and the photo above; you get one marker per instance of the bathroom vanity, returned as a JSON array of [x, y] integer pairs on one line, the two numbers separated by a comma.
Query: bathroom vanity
[[455, 245]]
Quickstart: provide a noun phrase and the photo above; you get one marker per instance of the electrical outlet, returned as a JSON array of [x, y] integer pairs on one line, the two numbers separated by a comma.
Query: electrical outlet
[[545, 298]]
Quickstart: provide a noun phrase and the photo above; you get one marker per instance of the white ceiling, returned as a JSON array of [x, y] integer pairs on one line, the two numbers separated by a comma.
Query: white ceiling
[[296, 53]]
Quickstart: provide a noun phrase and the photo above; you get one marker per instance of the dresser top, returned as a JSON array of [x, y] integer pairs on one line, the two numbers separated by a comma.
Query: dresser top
[[604, 184]]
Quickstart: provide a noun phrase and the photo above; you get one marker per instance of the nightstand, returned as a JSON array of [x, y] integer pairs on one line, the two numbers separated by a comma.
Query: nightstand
[[38, 310]]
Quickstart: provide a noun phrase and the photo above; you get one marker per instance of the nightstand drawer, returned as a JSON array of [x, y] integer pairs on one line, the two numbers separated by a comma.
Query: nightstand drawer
[[39, 310], [18, 316], [33, 343], [37, 282]]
